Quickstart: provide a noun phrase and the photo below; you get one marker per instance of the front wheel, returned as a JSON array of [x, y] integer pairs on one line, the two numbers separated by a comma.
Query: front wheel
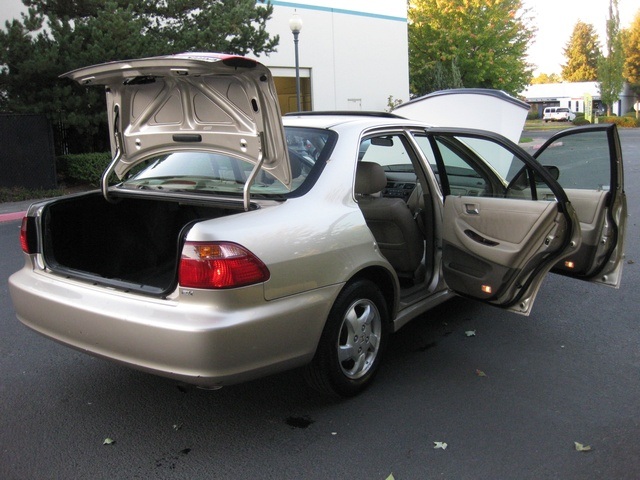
[[352, 342]]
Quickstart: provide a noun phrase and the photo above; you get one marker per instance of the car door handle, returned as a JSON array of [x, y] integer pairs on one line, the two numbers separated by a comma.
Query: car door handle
[[480, 239], [472, 209]]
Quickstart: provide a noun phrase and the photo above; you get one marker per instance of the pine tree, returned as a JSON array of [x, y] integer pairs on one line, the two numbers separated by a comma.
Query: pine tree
[[582, 52], [610, 67], [79, 33]]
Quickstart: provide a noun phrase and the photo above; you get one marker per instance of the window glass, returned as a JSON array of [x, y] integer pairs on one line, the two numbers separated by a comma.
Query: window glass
[[207, 172], [464, 177], [389, 151], [583, 160], [478, 167], [393, 153], [466, 174]]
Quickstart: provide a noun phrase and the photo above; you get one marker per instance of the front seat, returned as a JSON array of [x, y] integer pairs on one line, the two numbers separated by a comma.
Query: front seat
[[389, 219]]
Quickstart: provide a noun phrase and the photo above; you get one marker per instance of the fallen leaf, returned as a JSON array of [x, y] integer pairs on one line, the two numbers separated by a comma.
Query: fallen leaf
[[390, 477], [470, 333], [582, 448], [441, 445], [480, 373], [108, 441]]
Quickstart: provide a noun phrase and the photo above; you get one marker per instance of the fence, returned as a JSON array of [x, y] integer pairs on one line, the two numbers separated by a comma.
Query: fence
[[27, 157]]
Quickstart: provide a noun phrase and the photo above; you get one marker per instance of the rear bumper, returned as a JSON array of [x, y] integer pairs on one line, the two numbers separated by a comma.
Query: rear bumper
[[212, 339]]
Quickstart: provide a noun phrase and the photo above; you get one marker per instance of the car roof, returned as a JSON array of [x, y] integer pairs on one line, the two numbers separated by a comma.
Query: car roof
[[333, 119]]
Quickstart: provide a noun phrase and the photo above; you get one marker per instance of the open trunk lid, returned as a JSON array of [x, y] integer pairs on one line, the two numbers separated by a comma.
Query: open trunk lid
[[191, 101]]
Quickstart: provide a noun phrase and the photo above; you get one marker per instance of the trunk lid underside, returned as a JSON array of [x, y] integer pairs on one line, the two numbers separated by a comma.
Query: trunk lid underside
[[192, 101]]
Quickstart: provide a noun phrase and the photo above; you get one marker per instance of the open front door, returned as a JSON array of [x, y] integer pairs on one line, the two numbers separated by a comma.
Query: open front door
[[509, 219], [589, 165], [506, 221]]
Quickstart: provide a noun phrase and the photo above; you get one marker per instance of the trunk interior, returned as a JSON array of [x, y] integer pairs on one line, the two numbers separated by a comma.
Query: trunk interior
[[133, 244]]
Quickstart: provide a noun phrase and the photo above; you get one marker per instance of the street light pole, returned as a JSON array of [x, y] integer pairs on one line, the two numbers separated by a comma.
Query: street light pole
[[295, 24]]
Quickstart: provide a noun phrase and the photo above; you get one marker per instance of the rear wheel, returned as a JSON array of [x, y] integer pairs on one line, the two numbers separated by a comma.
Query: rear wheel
[[352, 342]]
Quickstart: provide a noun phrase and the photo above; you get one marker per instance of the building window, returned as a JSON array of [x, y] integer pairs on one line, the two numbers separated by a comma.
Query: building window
[[286, 88]]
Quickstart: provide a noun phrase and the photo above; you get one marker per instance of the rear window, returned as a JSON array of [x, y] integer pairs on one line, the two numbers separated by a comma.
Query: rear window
[[207, 172]]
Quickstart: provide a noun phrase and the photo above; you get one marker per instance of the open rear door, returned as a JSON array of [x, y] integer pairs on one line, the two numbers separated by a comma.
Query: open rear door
[[506, 221], [590, 169]]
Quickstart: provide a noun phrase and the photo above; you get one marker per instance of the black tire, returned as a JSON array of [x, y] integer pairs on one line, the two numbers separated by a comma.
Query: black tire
[[352, 342]]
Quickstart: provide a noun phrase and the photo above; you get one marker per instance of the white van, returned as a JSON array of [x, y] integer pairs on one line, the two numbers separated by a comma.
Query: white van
[[558, 114]]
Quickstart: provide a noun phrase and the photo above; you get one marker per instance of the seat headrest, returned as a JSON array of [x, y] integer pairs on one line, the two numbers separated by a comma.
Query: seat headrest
[[295, 160], [370, 178]]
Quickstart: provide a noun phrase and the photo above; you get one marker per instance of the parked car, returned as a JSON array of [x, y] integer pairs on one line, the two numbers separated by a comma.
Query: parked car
[[236, 243], [558, 114]]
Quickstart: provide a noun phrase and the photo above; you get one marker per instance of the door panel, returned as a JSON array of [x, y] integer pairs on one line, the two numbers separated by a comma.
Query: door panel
[[492, 246], [588, 205], [590, 163]]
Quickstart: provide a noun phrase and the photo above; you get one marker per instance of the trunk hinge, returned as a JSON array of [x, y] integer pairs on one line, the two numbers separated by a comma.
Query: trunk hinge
[[252, 176], [104, 180]]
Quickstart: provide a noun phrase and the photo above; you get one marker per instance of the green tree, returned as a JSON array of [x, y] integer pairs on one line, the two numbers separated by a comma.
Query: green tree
[[546, 78], [582, 52], [631, 70], [470, 43], [444, 75], [610, 67], [56, 36]]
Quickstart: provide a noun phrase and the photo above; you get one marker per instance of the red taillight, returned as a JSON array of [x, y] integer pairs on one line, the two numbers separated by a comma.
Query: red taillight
[[24, 240], [219, 265]]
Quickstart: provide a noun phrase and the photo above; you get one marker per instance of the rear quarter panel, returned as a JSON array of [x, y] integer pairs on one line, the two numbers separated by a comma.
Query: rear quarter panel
[[307, 242]]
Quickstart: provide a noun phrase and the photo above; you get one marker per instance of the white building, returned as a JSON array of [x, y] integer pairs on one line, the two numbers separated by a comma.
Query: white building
[[353, 54], [572, 96]]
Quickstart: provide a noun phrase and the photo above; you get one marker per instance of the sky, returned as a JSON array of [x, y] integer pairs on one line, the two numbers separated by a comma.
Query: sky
[[554, 20]]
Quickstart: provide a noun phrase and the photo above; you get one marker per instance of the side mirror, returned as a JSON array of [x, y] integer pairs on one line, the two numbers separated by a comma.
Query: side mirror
[[551, 170], [382, 141]]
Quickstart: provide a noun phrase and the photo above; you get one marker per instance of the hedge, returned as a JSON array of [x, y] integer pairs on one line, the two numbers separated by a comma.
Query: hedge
[[83, 168], [581, 121], [620, 121]]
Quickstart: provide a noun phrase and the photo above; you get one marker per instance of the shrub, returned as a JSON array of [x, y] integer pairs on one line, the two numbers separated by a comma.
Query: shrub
[[83, 168], [581, 121], [533, 115], [620, 121], [19, 194]]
